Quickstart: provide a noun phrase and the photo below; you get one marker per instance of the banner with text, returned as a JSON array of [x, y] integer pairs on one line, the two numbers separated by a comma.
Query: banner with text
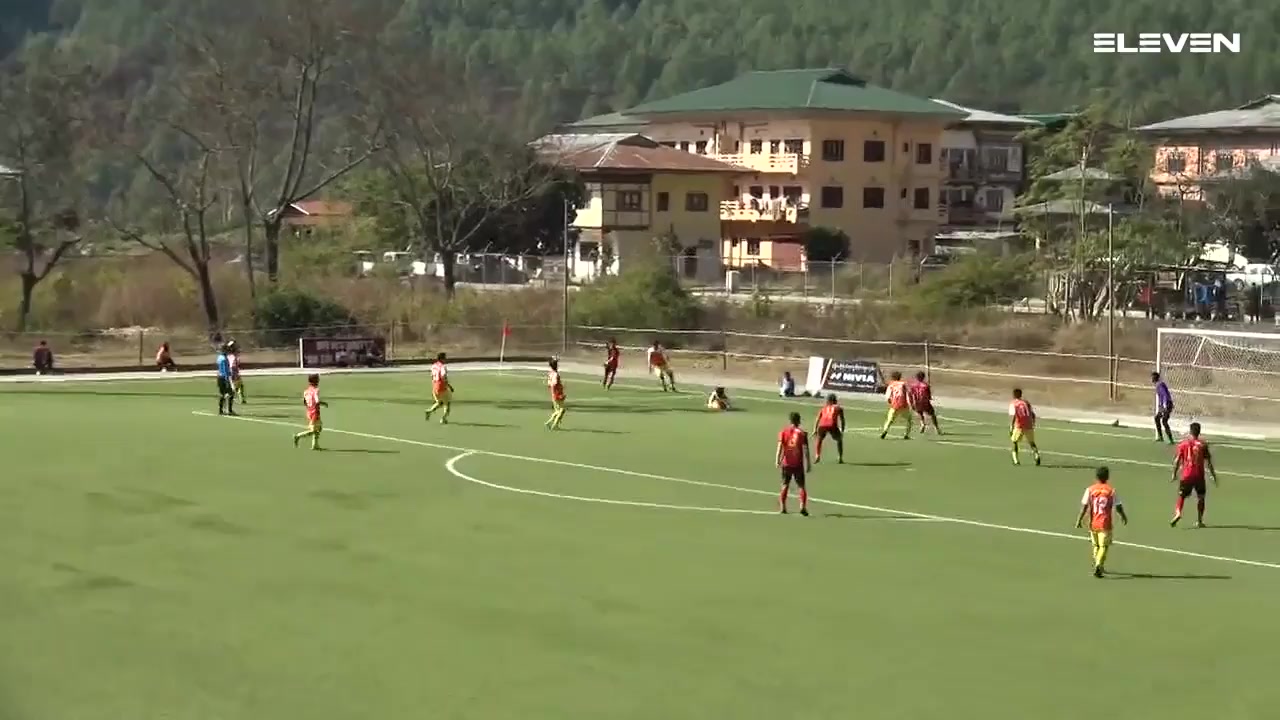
[[827, 374], [342, 352]]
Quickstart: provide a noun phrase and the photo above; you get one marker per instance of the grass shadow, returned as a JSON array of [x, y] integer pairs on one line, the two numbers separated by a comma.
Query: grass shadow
[[1068, 466], [479, 424], [362, 451], [874, 464], [1155, 576], [868, 516], [593, 431], [1255, 528]]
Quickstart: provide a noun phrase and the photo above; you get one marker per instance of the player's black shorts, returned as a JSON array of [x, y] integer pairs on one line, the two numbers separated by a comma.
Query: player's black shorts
[[1164, 414], [834, 432], [1190, 485], [224, 386], [793, 474]]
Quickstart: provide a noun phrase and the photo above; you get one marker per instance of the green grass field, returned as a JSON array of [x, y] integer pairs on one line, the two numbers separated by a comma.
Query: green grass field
[[162, 563]]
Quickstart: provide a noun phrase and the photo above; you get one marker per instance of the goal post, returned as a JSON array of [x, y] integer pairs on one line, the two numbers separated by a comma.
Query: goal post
[[1221, 374]]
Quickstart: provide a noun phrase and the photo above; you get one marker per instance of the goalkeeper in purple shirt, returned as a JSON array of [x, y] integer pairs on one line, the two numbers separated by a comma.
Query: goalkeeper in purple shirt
[[1164, 409]]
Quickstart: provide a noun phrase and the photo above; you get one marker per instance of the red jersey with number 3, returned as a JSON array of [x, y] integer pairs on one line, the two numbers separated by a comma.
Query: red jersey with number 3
[[1192, 455], [794, 443]]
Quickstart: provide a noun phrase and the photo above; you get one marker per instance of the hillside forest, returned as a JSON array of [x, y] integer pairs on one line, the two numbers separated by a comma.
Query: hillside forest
[[182, 125]]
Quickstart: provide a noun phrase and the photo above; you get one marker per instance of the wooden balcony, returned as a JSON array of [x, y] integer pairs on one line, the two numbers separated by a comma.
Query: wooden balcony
[[763, 212], [791, 163]]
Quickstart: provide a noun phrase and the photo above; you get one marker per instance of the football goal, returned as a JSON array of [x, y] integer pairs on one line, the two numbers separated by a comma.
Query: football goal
[[1221, 373]]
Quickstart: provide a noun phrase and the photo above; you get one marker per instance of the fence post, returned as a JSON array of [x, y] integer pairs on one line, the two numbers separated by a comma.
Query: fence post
[[928, 364], [891, 281], [142, 339], [391, 341], [724, 350], [833, 284]]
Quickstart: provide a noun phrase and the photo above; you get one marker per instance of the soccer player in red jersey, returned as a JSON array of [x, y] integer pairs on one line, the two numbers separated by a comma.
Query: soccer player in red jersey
[[922, 402], [1192, 459], [611, 355], [556, 385], [830, 421], [441, 389], [311, 400], [794, 461]]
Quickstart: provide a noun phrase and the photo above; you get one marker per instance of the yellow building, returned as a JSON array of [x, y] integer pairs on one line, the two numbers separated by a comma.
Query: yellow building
[[1193, 150], [644, 199], [820, 147]]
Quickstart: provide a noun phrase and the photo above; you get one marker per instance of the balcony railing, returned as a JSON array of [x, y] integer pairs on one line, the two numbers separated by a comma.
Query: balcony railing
[[763, 212], [766, 162]]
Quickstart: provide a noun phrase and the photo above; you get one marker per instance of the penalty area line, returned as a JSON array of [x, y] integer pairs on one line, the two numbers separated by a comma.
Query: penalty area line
[[753, 491]]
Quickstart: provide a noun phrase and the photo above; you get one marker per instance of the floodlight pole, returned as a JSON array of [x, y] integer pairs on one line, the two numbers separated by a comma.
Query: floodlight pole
[[564, 328], [1111, 302]]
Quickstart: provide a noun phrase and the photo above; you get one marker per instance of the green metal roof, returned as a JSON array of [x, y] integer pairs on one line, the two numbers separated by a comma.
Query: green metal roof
[[608, 122], [796, 90]]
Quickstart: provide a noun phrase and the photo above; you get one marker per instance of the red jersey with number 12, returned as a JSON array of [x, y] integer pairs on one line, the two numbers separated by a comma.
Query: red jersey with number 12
[[794, 443], [311, 398], [1192, 454]]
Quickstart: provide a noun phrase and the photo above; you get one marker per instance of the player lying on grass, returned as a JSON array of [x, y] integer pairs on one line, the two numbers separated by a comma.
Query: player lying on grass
[[441, 390], [312, 402], [164, 359], [921, 396], [793, 460], [830, 422], [1099, 501], [896, 397], [718, 400], [660, 367], [1022, 426], [611, 357], [1164, 409], [556, 385], [1192, 458]]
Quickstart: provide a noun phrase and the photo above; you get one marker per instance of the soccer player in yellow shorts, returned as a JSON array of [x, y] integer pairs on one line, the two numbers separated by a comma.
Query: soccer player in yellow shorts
[[899, 407], [556, 385], [441, 390], [1099, 501]]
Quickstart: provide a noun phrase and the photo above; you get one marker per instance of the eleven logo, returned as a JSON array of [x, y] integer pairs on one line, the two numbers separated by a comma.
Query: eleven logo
[[1167, 43]]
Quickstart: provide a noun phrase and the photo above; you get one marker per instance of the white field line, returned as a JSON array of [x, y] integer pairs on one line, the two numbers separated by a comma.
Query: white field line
[[753, 491], [749, 395], [452, 466]]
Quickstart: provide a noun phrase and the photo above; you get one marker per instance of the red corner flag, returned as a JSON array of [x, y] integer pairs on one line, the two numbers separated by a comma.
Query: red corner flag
[[506, 330]]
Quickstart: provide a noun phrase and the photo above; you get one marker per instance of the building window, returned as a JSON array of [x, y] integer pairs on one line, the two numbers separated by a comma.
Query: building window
[[664, 202], [773, 192], [792, 193], [736, 191], [757, 147], [993, 200], [873, 197], [1224, 162], [793, 147], [630, 200], [753, 247], [775, 146], [996, 159], [588, 251], [700, 147], [1175, 162], [756, 191], [833, 150], [873, 151], [924, 153], [684, 145], [737, 146], [670, 143], [832, 196], [922, 198], [696, 202]]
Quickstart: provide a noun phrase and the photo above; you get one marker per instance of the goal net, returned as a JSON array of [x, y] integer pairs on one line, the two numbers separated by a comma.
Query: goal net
[[1221, 374]]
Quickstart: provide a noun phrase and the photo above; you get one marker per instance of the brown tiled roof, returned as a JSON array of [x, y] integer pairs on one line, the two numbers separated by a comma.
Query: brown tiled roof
[[627, 153], [331, 208]]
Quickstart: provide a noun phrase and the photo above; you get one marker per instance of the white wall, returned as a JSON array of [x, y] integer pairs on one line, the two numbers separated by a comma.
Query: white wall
[[960, 139]]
